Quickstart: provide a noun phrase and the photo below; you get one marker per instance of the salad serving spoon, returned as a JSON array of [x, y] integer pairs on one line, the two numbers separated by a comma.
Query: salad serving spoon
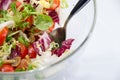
[[59, 34]]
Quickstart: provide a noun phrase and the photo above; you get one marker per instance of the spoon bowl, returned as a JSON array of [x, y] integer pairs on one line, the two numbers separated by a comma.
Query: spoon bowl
[[58, 35]]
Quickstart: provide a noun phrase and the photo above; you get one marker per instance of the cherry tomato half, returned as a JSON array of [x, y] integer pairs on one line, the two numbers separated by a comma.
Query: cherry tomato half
[[7, 68], [3, 34], [31, 52], [23, 49]]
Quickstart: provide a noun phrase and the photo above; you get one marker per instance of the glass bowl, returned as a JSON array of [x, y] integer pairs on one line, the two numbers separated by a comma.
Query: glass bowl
[[79, 28]]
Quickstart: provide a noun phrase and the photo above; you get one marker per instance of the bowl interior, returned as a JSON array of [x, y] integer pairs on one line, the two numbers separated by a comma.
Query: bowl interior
[[79, 28]]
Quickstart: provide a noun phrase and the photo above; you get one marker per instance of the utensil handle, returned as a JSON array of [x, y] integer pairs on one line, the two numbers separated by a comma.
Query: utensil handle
[[80, 4]]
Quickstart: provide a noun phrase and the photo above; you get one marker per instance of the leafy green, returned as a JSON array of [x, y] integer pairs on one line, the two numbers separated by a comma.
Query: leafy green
[[19, 70], [43, 22], [13, 7], [28, 8], [20, 16], [23, 25], [17, 18], [4, 16], [27, 11], [30, 67], [8, 38], [22, 40], [1, 62], [3, 13], [17, 15], [5, 49]]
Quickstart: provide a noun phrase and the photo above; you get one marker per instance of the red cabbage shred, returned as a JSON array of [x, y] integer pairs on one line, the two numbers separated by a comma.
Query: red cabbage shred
[[4, 4], [15, 52], [65, 45], [44, 43], [54, 16]]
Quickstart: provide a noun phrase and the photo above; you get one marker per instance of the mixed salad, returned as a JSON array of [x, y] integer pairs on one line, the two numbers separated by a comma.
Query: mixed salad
[[25, 25]]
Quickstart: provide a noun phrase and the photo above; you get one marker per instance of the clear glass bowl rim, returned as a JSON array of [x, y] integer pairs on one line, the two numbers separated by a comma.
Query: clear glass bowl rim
[[64, 59]]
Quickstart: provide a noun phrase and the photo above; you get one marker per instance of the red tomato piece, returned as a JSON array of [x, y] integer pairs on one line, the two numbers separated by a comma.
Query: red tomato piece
[[7, 68], [18, 4], [30, 20], [31, 52], [3, 34], [23, 49], [56, 3]]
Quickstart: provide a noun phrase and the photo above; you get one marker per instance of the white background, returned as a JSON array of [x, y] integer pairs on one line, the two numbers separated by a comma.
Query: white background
[[101, 58]]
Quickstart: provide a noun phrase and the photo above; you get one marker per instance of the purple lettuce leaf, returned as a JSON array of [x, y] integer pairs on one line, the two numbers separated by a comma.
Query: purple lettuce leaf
[[15, 52], [41, 41], [65, 45], [46, 40], [58, 51], [36, 48], [54, 16], [42, 44], [4, 4]]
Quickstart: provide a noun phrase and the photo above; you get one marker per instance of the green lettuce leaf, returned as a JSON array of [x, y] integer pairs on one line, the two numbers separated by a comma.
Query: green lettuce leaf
[[43, 22]]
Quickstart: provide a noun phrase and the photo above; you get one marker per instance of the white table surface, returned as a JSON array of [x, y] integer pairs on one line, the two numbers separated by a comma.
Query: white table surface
[[101, 58]]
